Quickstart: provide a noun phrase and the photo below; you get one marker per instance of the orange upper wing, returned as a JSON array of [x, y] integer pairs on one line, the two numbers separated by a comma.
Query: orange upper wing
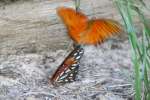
[[76, 22], [85, 31], [99, 30]]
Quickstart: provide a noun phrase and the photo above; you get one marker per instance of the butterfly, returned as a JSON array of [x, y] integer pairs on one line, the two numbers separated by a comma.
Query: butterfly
[[83, 30], [68, 70]]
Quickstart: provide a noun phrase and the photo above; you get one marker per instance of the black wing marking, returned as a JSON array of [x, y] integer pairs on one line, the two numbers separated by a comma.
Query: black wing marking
[[67, 72]]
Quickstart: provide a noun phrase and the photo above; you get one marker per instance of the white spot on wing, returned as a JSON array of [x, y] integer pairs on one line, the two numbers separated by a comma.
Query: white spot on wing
[[71, 74], [68, 70], [74, 65], [75, 54], [63, 76], [78, 57]]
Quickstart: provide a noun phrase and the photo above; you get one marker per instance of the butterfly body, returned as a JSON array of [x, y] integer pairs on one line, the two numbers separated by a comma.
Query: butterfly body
[[67, 71]]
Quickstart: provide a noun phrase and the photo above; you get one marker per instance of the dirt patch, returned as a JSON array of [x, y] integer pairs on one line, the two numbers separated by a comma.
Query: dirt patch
[[33, 42]]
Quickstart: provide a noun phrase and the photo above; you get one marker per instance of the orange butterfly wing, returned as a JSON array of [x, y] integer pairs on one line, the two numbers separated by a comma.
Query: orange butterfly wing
[[85, 31], [99, 30], [76, 22]]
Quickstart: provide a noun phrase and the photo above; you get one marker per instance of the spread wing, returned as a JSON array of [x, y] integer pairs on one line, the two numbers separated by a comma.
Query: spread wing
[[85, 31], [99, 30], [76, 22]]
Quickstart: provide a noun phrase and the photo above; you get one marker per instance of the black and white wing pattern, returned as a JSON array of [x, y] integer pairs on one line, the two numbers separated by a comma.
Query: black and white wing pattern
[[68, 70]]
